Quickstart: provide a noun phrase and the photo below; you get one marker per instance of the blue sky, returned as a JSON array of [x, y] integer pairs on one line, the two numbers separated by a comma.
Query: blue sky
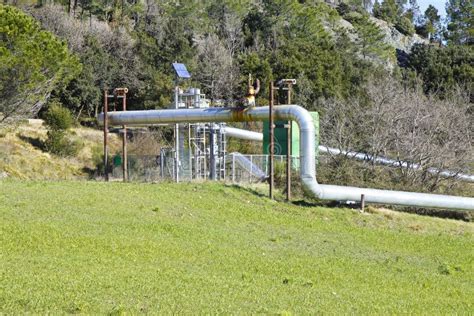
[[439, 4]]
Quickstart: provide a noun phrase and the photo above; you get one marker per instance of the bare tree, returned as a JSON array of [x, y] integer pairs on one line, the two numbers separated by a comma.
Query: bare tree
[[217, 71], [406, 125]]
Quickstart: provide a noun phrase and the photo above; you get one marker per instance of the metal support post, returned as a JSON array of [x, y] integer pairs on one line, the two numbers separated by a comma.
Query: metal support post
[[288, 153], [106, 130], [271, 139], [162, 163], [212, 153], [362, 202], [251, 169], [176, 138], [233, 168], [124, 141]]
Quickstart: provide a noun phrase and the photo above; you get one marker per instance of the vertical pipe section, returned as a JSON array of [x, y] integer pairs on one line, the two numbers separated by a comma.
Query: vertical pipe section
[[124, 141], [288, 153], [176, 138], [162, 163], [271, 149], [106, 130], [212, 154]]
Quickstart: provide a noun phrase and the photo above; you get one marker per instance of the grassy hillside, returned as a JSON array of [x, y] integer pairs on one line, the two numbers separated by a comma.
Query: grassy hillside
[[22, 155], [89, 247]]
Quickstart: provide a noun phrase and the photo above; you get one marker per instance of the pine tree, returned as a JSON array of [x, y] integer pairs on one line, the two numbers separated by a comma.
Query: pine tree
[[389, 11], [432, 24], [460, 16], [370, 39]]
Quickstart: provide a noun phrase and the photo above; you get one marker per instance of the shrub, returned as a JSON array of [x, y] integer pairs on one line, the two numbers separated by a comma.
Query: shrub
[[58, 117], [57, 143], [297, 190], [98, 160], [353, 17], [59, 120], [405, 26]]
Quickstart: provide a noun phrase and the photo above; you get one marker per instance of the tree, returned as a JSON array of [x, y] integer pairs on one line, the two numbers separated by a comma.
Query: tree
[[460, 17], [405, 26], [36, 60], [388, 11], [370, 39], [413, 11], [216, 69], [443, 69], [403, 124], [432, 23]]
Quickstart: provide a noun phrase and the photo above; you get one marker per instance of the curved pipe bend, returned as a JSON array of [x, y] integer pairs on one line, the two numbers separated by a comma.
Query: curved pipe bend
[[307, 153]]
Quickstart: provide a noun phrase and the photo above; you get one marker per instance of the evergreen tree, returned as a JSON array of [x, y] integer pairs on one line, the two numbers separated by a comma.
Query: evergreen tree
[[443, 68], [370, 39], [460, 17], [32, 63], [388, 11], [413, 12], [431, 27]]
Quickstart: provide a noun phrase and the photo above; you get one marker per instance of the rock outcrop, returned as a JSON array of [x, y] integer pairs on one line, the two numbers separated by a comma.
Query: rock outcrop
[[396, 39]]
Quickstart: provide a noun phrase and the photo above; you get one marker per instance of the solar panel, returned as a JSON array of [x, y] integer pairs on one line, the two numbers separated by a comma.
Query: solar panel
[[181, 70]]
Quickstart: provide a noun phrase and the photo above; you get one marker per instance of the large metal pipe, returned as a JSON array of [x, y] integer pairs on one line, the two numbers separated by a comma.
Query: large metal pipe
[[243, 134], [258, 137], [307, 152], [396, 163]]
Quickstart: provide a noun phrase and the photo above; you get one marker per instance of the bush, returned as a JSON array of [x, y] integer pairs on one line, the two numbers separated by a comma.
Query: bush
[[297, 189], [98, 160], [57, 117], [57, 143], [59, 120], [343, 8], [405, 26], [353, 17]]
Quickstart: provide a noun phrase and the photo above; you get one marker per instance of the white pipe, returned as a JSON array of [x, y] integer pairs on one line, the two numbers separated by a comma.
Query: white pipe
[[396, 163], [258, 137], [243, 134], [176, 137], [307, 152], [248, 165]]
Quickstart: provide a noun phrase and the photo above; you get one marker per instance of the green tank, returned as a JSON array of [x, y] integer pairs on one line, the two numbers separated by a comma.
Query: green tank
[[281, 136]]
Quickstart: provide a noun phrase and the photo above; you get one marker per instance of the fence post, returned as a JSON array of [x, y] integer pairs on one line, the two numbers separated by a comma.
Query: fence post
[[251, 168], [233, 168]]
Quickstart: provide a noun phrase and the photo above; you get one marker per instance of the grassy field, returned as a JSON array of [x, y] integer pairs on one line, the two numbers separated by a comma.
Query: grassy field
[[90, 247]]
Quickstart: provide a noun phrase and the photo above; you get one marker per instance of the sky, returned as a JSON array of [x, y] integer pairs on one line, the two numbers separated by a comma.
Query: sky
[[438, 4]]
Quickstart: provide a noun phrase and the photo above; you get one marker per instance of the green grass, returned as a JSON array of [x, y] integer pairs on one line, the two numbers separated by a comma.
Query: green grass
[[90, 247]]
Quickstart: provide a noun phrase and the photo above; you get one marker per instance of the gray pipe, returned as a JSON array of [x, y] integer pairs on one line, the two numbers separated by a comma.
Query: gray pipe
[[243, 134], [307, 152], [258, 137], [396, 163]]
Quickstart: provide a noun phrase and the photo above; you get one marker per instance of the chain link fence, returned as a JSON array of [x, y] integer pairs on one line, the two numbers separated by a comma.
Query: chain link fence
[[239, 168]]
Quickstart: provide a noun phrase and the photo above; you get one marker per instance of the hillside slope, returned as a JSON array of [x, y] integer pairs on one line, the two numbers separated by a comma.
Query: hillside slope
[[91, 247], [22, 156]]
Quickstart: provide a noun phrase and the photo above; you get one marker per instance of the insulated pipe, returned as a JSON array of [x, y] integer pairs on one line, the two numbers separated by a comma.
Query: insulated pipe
[[396, 163], [307, 152], [243, 134], [258, 137]]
